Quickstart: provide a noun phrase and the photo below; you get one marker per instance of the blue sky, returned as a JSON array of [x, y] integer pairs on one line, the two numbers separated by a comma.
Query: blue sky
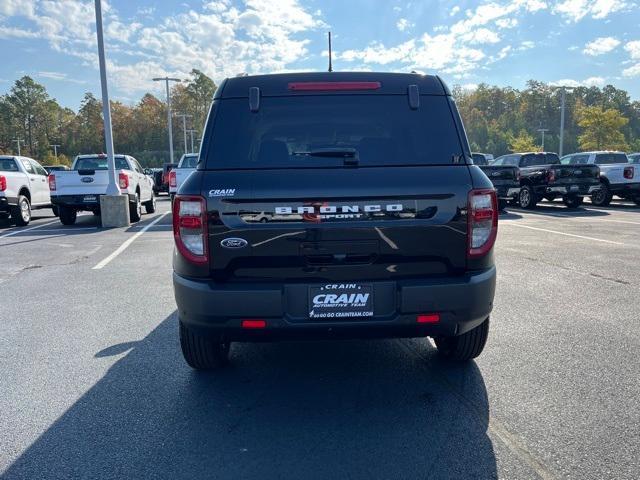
[[504, 43]]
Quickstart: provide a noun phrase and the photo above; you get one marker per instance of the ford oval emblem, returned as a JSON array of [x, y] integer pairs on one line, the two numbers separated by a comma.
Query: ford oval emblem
[[87, 179], [234, 243], [495, 174], [577, 172]]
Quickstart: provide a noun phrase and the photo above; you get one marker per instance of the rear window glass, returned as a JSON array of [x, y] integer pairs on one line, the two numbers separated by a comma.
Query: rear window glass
[[190, 161], [534, 159], [609, 158], [575, 160], [8, 165], [99, 163], [286, 131], [635, 158]]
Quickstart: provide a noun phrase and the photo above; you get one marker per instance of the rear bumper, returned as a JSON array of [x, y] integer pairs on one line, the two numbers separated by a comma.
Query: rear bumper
[[507, 191], [81, 202], [6, 203], [580, 191], [623, 188], [462, 303]]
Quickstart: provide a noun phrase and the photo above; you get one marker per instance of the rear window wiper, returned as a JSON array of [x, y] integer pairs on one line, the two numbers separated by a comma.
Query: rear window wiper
[[350, 155]]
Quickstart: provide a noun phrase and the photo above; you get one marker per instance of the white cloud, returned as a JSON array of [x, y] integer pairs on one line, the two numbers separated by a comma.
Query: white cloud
[[600, 46], [589, 82], [576, 10], [218, 38], [634, 49], [403, 24], [633, 71], [454, 11], [526, 45]]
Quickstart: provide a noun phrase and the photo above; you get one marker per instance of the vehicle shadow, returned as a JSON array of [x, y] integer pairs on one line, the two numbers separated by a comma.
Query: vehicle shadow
[[551, 209], [345, 409]]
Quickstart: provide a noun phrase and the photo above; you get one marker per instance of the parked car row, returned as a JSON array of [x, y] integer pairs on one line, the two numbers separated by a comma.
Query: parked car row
[[26, 185], [527, 178]]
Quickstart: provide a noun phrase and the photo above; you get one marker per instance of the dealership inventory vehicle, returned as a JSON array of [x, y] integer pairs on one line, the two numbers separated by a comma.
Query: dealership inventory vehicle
[[505, 178], [381, 227], [80, 188], [178, 175], [23, 187], [617, 177], [542, 176]]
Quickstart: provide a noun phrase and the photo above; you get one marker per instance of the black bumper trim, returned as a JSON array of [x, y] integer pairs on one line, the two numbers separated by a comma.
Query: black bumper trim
[[462, 302]]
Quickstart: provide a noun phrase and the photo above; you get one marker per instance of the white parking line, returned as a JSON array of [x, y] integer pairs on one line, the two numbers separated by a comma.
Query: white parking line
[[126, 243], [512, 224], [22, 230]]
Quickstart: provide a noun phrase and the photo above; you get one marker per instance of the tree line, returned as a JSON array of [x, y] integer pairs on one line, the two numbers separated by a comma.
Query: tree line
[[498, 120], [504, 120], [30, 116]]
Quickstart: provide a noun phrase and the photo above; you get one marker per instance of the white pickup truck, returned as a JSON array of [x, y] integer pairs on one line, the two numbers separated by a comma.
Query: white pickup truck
[[178, 175], [617, 175], [23, 187], [81, 187]]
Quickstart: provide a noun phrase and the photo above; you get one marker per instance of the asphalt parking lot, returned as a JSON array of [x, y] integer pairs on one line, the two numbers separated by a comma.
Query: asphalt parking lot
[[93, 385]]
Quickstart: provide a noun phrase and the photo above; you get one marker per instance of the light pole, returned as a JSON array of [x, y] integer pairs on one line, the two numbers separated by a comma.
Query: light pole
[[166, 80], [563, 94], [184, 127], [55, 150], [191, 132], [112, 187], [543, 130], [19, 141]]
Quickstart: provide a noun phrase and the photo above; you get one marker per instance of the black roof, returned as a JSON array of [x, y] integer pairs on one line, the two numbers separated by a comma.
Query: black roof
[[278, 84]]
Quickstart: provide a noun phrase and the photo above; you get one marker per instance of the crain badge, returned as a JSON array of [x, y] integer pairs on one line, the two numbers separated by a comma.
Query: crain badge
[[222, 192], [87, 179], [234, 243]]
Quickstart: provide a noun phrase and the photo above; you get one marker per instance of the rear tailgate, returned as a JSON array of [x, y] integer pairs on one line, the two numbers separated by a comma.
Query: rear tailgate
[[580, 176], [339, 224], [81, 182], [181, 176], [501, 174]]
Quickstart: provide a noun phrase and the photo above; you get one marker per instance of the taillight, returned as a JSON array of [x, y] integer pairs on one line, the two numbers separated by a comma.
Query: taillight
[[190, 228], [628, 172], [172, 179], [482, 221], [551, 176], [3, 183], [123, 180], [52, 182]]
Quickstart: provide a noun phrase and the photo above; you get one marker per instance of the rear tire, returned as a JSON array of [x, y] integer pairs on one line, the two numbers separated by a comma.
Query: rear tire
[[527, 198], [202, 352], [135, 210], [150, 206], [67, 215], [466, 346], [602, 197], [21, 213], [572, 202]]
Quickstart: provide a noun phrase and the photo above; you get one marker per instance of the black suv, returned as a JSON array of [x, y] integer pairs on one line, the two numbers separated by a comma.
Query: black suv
[[333, 205]]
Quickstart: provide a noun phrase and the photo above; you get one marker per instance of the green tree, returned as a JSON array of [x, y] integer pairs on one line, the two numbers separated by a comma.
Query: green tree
[[602, 129], [524, 142]]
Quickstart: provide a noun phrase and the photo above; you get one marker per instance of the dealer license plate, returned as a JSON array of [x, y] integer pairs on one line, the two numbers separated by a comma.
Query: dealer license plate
[[341, 301]]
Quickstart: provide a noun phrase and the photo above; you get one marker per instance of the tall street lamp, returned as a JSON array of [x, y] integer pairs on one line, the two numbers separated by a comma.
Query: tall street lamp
[[184, 127], [166, 80], [563, 94], [543, 130]]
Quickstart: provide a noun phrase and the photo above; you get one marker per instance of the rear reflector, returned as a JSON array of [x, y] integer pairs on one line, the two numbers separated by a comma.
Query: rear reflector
[[254, 324], [428, 318], [332, 86]]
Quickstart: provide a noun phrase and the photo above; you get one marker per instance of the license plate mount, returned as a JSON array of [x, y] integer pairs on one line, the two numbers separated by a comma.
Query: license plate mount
[[341, 301]]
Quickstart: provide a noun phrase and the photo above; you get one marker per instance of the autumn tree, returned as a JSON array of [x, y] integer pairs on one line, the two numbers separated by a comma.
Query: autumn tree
[[601, 129], [524, 142]]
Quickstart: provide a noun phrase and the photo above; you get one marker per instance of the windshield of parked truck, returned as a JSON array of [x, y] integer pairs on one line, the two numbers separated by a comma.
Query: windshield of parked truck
[[99, 163]]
